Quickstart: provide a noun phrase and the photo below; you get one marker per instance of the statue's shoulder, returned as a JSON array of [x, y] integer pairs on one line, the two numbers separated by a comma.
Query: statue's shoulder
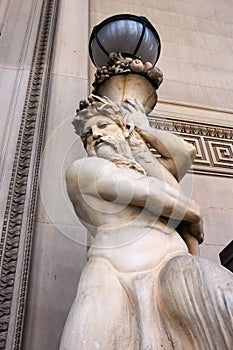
[[89, 161], [88, 166]]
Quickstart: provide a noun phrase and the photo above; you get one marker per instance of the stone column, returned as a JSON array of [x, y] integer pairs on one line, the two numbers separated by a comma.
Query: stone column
[[30, 38], [59, 244]]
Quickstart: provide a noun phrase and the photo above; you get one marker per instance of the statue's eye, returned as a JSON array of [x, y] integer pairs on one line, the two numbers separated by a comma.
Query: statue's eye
[[102, 125], [86, 134]]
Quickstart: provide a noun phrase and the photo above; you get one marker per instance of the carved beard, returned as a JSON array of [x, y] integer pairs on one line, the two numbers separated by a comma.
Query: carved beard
[[116, 150]]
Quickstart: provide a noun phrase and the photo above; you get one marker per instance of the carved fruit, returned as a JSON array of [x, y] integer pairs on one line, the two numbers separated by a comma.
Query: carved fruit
[[155, 74], [147, 66], [137, 66], [112, 55], [128, 59]]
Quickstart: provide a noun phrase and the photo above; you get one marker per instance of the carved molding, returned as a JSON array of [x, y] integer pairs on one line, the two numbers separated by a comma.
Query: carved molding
[[16, 239], [214, 144]]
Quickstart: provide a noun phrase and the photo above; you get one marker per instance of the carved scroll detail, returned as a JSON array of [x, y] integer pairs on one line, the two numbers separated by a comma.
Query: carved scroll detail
[[15, 245]]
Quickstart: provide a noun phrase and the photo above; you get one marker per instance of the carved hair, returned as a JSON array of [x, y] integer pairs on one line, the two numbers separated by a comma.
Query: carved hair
[[98, 106]]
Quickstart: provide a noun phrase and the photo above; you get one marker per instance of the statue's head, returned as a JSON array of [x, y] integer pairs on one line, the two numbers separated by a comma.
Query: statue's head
[[104, 127], [98, 106], [126, 114]]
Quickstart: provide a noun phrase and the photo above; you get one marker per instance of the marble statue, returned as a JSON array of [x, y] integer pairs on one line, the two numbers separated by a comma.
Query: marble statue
[[141, 287]]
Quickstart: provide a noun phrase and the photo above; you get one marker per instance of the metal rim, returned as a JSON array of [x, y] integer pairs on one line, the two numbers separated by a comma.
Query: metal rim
[[140, 19]]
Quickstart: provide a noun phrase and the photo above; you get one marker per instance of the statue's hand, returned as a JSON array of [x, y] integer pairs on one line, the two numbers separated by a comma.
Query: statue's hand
[[192, 234], [142, 132], [148, 135], [135, 113], [194, 229]]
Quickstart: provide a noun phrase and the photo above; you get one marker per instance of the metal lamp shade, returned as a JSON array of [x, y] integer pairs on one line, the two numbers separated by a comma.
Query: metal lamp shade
[[129, 35]]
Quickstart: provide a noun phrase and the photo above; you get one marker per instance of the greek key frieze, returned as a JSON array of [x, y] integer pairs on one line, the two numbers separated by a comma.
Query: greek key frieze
[[214, 144]]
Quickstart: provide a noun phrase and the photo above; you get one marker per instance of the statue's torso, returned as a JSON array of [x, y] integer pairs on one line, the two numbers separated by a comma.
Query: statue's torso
[[134, 248], [131, 237]]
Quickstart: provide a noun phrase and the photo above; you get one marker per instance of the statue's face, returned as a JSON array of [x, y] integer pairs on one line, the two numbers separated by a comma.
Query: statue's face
[[98, 131]]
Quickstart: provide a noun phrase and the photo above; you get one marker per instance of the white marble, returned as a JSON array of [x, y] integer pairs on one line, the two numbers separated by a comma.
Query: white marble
[[141, 289]]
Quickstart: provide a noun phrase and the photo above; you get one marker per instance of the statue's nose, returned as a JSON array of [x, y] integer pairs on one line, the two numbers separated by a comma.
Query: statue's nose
[[96, 133], [96, 136]]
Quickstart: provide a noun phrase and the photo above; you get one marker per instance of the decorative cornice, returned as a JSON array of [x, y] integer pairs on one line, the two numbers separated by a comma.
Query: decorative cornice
[[188, 127], [15, 245], [214, 144]]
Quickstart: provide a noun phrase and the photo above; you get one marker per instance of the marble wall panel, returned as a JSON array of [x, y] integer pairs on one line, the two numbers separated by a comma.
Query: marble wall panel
[[61, 147], [13, 87], [215, 196], [57, 263], [188, 112], [16, 49], [211, 251], [213, 191], [18, 34], [196, 95], [60, 242], [72, 40]]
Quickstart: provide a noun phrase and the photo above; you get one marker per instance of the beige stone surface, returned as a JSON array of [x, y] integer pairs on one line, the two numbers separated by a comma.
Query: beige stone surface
[[16, 49], [56, 266], [211, 251], [193, 113], [60, 244], [215, 196], [123, 234], [62, 142], [122, 87], [12, 87], [139, 275], [3, 9], [72, 40], [18, 33]]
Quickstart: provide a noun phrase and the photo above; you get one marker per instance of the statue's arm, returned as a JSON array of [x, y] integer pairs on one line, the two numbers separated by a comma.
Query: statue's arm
[[177, 155], [103, 179]]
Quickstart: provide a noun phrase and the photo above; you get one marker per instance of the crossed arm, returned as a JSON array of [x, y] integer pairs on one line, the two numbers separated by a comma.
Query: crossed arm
[[104, 180], [177, 155]]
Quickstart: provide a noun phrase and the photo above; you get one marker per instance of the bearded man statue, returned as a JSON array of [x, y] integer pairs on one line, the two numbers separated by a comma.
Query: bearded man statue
[[141, 287]]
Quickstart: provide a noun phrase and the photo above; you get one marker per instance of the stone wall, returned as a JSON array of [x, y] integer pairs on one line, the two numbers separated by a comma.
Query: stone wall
[[43, 75], [59, 249]]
